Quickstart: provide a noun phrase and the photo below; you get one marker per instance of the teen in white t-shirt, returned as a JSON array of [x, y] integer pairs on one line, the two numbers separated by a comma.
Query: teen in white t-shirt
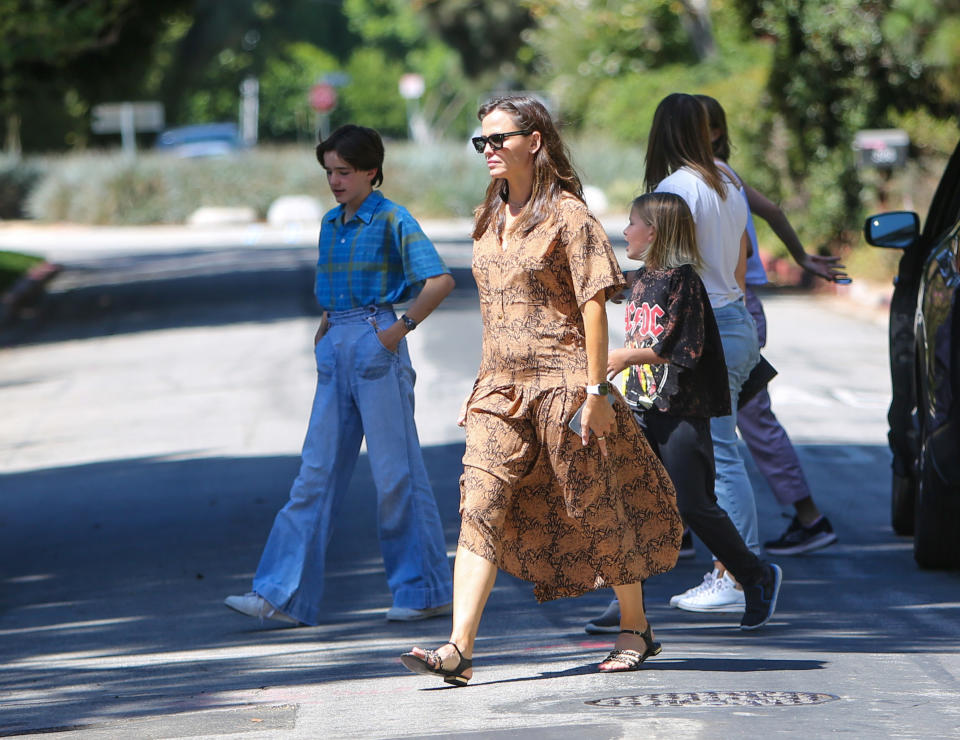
[[720, 227], [680, 160]]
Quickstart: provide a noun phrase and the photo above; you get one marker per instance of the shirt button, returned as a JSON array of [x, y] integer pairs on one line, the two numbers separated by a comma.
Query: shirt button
[[343, 241]]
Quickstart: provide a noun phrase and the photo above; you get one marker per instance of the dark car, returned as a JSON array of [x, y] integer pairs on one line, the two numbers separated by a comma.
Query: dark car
[[924, 414]]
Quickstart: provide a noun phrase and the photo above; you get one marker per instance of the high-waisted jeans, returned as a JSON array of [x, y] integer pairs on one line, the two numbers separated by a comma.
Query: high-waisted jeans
[[363, 389]]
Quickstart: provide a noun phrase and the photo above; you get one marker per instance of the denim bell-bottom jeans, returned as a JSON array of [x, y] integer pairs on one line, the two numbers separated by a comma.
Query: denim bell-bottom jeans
[[741, 350], [363, 389]]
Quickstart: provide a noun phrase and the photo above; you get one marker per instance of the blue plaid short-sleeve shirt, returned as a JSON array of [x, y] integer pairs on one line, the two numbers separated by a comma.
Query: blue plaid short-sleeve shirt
[[380, 256]]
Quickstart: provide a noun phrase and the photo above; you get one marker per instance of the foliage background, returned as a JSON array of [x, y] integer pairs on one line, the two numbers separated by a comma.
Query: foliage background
[[798, 79]]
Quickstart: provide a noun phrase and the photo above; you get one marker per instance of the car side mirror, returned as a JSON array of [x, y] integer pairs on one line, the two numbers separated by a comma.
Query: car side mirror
[[896, 229]]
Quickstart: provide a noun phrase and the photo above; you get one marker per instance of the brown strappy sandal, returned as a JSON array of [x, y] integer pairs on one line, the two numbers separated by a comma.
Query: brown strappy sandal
[[631, 659], [432, 664]]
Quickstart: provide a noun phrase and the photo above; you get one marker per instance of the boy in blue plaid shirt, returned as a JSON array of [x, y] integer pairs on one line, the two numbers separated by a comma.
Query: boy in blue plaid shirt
[[372, 254]]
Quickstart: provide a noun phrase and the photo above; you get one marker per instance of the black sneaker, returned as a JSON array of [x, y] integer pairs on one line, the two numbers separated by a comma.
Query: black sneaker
[[686, 545], [798, 539], [606, 623], [761, 598]]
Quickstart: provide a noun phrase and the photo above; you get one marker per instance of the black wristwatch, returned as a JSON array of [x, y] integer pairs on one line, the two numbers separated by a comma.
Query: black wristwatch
[[408, 322]]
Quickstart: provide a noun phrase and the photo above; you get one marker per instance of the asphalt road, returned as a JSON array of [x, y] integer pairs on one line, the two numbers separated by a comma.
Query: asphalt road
[[152, 412]]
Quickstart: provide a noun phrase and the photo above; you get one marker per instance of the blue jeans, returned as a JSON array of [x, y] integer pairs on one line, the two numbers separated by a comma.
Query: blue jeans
[[741, 350], [363, 389]]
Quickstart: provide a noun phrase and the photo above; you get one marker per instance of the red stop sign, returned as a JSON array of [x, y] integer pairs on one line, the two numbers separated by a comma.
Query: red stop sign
[[323, 97]]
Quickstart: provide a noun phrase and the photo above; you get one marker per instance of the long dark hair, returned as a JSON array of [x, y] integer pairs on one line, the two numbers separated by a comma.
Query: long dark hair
[[553, 175], [717, 121], [680, 137]]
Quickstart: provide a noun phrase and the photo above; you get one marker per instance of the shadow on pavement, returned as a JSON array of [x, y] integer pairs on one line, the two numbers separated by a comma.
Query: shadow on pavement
[[114, 575]]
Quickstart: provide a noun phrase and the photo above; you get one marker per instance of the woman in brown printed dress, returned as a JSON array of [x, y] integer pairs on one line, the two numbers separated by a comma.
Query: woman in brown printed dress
[[569, 512]]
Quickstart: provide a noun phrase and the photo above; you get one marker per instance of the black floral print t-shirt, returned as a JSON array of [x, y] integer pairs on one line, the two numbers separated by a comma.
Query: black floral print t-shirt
[[670, 313]]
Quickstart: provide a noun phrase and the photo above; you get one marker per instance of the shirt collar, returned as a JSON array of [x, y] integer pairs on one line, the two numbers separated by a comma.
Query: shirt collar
[[366, 210]]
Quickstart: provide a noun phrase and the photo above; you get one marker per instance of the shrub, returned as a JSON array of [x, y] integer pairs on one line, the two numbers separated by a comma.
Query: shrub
[[155, 188], [436, 181], [17, 178], [433, 182]]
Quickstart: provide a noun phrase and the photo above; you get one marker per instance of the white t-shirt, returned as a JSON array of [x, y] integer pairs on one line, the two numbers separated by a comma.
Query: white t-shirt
[[756, 273], [720, 224]]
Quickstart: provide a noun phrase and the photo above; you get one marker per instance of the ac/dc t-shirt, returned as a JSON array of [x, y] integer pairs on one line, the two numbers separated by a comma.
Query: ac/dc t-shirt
[[670, 313]]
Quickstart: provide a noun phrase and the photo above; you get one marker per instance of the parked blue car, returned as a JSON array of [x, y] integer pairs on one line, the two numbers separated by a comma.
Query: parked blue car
[[201, 140], [924, 414]]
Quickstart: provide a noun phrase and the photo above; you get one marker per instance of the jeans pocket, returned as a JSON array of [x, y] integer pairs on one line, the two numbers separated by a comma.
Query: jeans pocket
[[323, 354], [373, 360]]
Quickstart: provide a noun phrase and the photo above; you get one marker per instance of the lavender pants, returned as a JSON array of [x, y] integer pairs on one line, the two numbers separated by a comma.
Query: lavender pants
[[767, 441]]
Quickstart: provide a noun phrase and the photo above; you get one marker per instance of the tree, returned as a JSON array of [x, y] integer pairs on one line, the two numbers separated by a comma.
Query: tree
[[284, 107], [41, 37], [219, 44], [840, 66], [487, 34], [581, 46]]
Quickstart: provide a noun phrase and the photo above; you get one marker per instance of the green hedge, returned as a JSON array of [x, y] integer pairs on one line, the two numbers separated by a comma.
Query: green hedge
[[436, 181], [17, 178], [155, 188]]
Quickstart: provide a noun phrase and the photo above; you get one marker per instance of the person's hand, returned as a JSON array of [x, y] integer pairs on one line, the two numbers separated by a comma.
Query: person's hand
[[617, 362], [630, 276], [826, 267], [322, 329], [391, 336], [621, 296], [598, 418]]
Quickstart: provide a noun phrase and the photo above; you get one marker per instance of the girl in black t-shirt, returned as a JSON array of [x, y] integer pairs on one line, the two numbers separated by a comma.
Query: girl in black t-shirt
[[673, 352], [677, 378]]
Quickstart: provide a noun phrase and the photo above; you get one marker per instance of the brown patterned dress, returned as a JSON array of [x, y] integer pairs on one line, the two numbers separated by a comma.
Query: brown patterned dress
[[533, 499]]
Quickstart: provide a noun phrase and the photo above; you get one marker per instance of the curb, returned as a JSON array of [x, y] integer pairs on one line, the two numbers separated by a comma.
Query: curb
[[27, 290]]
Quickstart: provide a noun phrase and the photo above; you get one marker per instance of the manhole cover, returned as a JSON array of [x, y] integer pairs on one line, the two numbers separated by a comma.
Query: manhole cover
[[716, 699]]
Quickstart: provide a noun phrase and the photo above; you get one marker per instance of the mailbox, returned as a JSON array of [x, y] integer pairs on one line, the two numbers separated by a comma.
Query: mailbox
[[884, 148]]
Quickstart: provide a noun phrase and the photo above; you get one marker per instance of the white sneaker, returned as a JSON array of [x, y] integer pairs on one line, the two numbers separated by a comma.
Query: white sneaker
[[707, 583], [254, 605], [406, 614], [723, 596]]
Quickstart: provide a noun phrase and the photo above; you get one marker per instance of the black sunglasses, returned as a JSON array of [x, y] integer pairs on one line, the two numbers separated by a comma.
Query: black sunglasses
[[496, 140]]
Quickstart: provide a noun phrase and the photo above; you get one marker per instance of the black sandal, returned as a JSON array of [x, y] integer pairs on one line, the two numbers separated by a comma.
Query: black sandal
[[454, 677], [631, 658]]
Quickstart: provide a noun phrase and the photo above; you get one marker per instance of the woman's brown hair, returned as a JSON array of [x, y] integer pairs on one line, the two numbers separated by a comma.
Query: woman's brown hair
[[680, 137], [717, 120], [553, 175]]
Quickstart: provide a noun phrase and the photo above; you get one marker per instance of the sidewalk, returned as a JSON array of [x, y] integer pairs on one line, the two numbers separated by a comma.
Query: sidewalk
[[67, 242]]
